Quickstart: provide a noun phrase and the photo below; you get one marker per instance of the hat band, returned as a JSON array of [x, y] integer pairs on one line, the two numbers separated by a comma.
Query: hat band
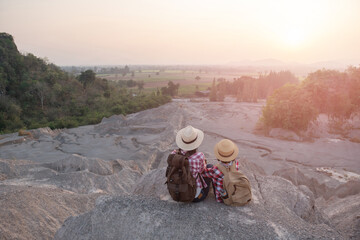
[[190, 141], [227, 155]]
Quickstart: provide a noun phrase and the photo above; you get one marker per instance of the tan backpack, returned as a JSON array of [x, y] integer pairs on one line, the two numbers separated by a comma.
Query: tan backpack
[[237, 186]]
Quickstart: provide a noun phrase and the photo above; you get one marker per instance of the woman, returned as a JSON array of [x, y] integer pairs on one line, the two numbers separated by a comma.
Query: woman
[[188, 140]]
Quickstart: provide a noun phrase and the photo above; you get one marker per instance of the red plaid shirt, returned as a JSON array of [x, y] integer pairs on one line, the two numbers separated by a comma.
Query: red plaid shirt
[[217, 178], [197, 165]]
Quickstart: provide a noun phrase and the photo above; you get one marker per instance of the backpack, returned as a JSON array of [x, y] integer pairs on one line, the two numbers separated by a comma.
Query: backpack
[[237, 186], [180, 182]]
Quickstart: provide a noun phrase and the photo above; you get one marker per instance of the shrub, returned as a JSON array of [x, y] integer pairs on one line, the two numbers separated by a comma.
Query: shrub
[[290, 108], [9, 115]]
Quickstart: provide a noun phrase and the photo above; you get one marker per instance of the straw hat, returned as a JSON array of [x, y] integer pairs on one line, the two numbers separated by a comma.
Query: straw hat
[[189, 138], [226, 150]]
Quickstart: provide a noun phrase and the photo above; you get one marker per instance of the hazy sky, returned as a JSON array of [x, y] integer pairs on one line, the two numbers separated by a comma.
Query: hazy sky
[[87, 32]]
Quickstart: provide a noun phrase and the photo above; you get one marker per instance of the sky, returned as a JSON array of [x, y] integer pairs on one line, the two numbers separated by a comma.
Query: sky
[[116, 32]]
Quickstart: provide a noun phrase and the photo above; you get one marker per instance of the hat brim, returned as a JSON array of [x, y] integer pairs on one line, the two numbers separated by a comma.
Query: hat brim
[[228, 158], [191, 146]]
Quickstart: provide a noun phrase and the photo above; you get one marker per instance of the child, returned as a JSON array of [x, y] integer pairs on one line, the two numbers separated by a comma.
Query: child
[[226, 152]]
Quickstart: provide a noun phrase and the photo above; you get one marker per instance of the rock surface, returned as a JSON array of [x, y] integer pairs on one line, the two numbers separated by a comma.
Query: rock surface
[[284, 134], [300, 188], [29, 212], [149, 218]]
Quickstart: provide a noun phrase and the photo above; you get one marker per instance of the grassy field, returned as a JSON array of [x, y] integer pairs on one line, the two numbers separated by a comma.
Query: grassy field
[[155, 78]]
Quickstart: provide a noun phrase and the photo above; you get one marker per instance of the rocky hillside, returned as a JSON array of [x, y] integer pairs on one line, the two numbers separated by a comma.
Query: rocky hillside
[[107, 180]]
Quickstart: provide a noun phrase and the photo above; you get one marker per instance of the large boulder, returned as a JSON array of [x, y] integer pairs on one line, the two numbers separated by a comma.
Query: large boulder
[[126, 217], [320, 183], [30, 213], [343, 213], [73, 173], [279, 210]]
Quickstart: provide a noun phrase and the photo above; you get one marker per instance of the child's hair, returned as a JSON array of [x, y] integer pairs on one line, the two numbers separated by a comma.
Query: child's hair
[[192, 152]]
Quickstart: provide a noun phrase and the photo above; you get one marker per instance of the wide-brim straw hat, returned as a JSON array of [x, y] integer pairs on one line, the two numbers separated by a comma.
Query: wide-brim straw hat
[[226, 150], [189, 138]]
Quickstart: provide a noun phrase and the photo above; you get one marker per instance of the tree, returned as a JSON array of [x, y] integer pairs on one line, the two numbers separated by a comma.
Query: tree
[[40, 89], [9, 114], [3, 82], [197, 78], [290, 107], [221, 89], [171, 90], [213, 94], [354, 85], [239, 95], [140, 85], [87, 77]]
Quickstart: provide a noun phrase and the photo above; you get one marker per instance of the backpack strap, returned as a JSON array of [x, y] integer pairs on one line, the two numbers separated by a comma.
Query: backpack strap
[[226, 180], [222, 169], [225, 171], [179, 151], [233, 167]]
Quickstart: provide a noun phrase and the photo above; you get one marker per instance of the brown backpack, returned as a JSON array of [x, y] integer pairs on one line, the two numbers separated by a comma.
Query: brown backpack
[[180, 182], [237, 186]]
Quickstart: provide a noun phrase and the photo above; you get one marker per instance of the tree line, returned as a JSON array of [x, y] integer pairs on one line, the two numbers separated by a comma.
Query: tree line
[[35, 93], [330, 92], [250, 89]]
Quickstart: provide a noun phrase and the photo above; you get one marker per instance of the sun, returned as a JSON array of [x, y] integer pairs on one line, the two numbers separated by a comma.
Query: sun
[[293, 37]]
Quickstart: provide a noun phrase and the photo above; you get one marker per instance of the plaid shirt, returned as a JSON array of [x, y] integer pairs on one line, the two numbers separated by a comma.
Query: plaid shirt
[[217, 178], [197, 165]]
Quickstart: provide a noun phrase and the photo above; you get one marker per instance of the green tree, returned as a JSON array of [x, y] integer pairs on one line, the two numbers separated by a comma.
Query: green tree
[[9, 115], [140, 85], [87, 77], [290, 107], [171, 90]]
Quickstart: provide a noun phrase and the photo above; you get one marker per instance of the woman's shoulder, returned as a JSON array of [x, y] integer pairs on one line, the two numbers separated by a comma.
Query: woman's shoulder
[[198, 155]]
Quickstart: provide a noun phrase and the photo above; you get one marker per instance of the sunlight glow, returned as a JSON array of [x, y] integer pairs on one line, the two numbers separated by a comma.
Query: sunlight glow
[[293, 37], [183, 32]]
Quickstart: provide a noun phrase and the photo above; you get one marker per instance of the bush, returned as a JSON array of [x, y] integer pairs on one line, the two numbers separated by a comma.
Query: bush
[[9, 115], [290, 108]]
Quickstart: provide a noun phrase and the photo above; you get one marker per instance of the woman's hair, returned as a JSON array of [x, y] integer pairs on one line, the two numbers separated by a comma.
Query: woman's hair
[[191, 152]]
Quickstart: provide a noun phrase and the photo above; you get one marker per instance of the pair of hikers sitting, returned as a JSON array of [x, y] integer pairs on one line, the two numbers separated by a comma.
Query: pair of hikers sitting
[[189, 176]]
